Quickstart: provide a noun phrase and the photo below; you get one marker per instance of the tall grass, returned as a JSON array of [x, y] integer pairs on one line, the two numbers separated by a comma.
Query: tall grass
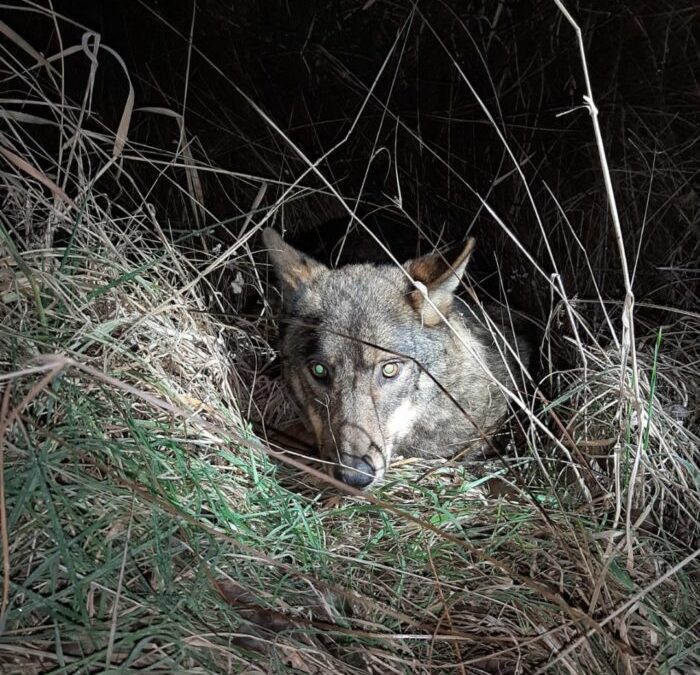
[[150, 522]]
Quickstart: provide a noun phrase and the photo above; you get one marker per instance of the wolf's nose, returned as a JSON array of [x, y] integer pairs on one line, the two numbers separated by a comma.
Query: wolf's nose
[[355, 472]]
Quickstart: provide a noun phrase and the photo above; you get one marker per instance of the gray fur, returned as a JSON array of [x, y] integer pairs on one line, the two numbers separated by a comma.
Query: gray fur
[[356, 319]]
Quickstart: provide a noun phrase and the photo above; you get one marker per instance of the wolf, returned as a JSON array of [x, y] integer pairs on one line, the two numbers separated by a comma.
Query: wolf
[[383, 359]]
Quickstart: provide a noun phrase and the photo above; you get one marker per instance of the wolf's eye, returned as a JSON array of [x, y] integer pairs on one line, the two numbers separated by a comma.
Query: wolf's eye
[[390, 370], [318, 370]]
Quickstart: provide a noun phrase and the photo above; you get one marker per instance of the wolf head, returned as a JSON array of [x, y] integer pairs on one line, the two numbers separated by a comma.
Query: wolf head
[[368, 358]]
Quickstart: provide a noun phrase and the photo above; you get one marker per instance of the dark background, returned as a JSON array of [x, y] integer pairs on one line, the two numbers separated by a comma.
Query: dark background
[[309, 66]]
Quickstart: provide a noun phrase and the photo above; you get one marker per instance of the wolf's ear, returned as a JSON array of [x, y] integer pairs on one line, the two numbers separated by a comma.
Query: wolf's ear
[[440, 274], [292, 267]]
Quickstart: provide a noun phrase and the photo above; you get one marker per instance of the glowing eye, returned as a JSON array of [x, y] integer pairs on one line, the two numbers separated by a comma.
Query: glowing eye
[[318, 370], [390, 370]]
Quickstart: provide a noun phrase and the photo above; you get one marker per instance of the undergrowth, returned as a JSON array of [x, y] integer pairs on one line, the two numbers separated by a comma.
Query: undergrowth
[[149, 522]]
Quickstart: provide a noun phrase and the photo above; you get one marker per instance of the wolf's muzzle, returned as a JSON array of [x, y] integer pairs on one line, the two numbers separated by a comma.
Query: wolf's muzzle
[[355, 471]]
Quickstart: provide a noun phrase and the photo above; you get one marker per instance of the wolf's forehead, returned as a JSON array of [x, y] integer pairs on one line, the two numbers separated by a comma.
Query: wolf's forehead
[[363, 311], [347, 314], [363, 298]]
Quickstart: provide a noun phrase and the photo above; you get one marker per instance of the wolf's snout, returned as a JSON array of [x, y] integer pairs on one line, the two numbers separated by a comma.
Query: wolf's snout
[[355, 471]]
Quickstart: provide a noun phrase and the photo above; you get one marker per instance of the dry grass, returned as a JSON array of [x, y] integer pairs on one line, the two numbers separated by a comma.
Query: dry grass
[[146, 525]]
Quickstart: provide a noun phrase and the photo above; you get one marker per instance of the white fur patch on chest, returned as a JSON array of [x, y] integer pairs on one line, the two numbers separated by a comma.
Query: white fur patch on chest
[[401, 421]]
